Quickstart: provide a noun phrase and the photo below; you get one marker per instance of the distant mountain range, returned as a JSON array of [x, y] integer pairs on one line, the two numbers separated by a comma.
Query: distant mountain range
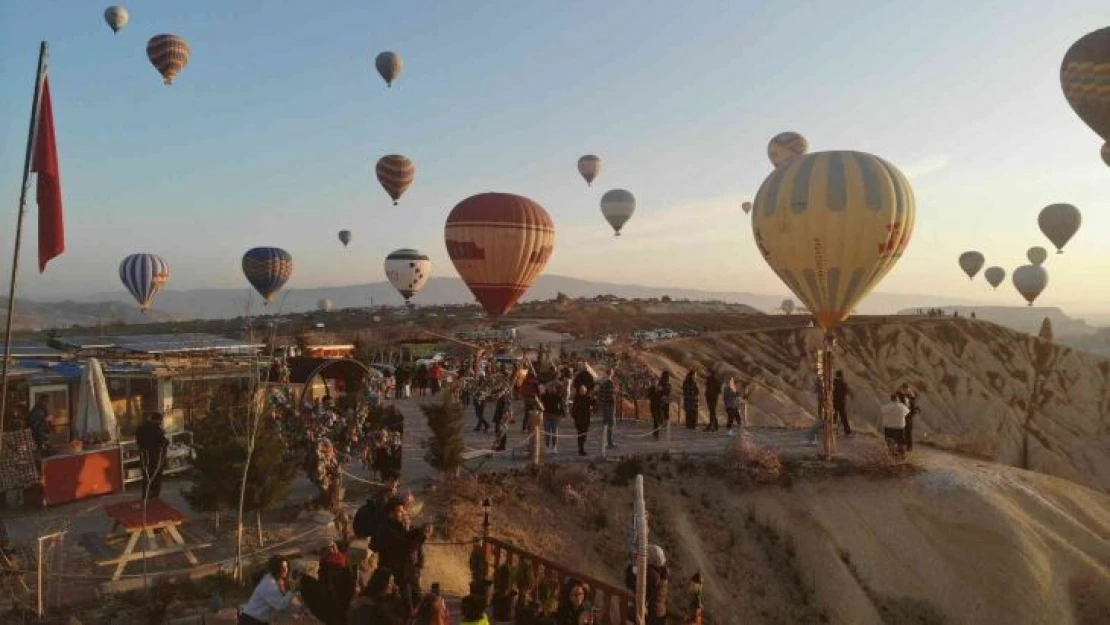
[[32, 315], [229, 303]]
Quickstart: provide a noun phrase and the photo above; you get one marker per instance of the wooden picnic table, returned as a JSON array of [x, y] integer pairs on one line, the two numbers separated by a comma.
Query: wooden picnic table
[[161, 519]]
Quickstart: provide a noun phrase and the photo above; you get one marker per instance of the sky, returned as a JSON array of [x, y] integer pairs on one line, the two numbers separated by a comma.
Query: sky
[[270, 135]]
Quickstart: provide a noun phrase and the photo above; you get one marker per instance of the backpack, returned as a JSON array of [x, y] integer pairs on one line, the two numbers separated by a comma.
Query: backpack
[[366, 518]]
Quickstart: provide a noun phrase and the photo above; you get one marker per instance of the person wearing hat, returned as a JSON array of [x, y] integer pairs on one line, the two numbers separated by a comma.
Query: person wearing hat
[[657, 586], [152, 442]]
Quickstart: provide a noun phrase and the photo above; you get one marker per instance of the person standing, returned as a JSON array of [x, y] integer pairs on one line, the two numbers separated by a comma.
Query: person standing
[[690, 400], [908, 397], [712, 394], [400, 550], [553, 400], [480, 410], [841, 393], [39, 420], [660, 403], [152, 442], [732, 406], [581, 411], [607, 400], [893, 423]]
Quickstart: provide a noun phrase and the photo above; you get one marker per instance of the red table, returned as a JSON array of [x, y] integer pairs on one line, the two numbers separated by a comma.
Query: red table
[[160, 517]]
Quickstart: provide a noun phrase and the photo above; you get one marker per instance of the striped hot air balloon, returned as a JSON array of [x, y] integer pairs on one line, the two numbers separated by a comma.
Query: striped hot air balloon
[[117, 18], [831, 225], [499, 244], [390, 66], [144, 275], [785, 146], [395, 173], [617, 207], [408, 270], [267, 269], [1083, 75], [169, 54], [589, 166]]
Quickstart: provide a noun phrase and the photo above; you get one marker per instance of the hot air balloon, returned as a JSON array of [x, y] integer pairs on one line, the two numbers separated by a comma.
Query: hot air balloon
[[499, 244], [995, 276], [787, 306], [971, 263], [267, 269], [117, 18], [144, 275], [785, 146], [344, 237], [1059, 222], [395, 173], [1036, 255], [169, 54], [747, 206], [323, 305], [831, 225], [1030, 281], [408, 270], [589, 166], [1083, 78], [617, 207], [389, 65]]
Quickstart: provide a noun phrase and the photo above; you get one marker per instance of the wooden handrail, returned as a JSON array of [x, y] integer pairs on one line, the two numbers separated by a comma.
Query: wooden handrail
[[613, 605]]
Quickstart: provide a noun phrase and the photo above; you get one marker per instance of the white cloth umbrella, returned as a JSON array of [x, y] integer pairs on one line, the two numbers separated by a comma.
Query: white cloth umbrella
[[94, 408]]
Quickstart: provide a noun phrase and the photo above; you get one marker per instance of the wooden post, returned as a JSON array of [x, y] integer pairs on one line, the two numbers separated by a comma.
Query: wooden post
[[38, 585], [537, 420], [640, 515]]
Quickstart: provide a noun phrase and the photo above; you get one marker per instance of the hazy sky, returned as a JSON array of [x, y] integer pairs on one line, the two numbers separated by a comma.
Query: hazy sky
[[270, 134]]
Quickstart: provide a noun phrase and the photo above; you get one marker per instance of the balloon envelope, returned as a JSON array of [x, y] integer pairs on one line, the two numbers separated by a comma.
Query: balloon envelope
[[971, 263], [1030, 281], [1036, 255], [499, 244], [995, 276], [1083, 77], [408, 270], [144, 275], [117, 17], [831, 225], [1059, 222], [390, 66], [324, 305], [589, 166], [267, 269], [617, 206], [747, 206], [395, 173], [344, 237], [169, 54], [785, 146]]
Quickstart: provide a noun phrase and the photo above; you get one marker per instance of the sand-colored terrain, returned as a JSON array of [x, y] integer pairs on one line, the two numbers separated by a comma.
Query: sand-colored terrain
[[984, 390]]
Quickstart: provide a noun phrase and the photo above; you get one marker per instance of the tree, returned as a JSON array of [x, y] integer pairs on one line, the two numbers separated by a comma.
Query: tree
[[666, 299], [444, 448], [1046, 329], [561, 298]]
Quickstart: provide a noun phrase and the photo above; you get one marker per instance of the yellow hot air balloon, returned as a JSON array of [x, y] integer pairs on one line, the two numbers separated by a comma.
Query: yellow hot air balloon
[[831, 225]]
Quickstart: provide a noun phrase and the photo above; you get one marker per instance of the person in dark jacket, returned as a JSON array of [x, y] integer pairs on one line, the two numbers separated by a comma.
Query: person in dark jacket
[[480, 412], [554, 400], [607, 402], [690, 400], [39, 421], [712, 396], [152, 442], [657, 585], [379, 603], [908, 397], [400, 548], [572, 603], [841, 393], [581, 410], [660, 403]]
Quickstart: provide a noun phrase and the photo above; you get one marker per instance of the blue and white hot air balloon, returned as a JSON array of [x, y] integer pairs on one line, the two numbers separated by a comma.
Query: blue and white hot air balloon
[[267, 269], [144, 275]]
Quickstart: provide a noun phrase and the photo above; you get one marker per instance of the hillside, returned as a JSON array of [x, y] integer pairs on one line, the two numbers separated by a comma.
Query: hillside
[[228, 303], [953, 541], [983, 389], [33, 316], [1025, 319]]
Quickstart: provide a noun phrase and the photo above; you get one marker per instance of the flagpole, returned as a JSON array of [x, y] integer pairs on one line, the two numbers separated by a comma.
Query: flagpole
[[19, 235]]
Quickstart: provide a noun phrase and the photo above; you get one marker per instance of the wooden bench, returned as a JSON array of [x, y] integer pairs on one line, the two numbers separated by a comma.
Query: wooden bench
[[160, 517]]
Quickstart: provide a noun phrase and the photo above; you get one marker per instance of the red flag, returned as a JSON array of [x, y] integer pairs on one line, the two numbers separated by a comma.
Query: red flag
[[52, 236]]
